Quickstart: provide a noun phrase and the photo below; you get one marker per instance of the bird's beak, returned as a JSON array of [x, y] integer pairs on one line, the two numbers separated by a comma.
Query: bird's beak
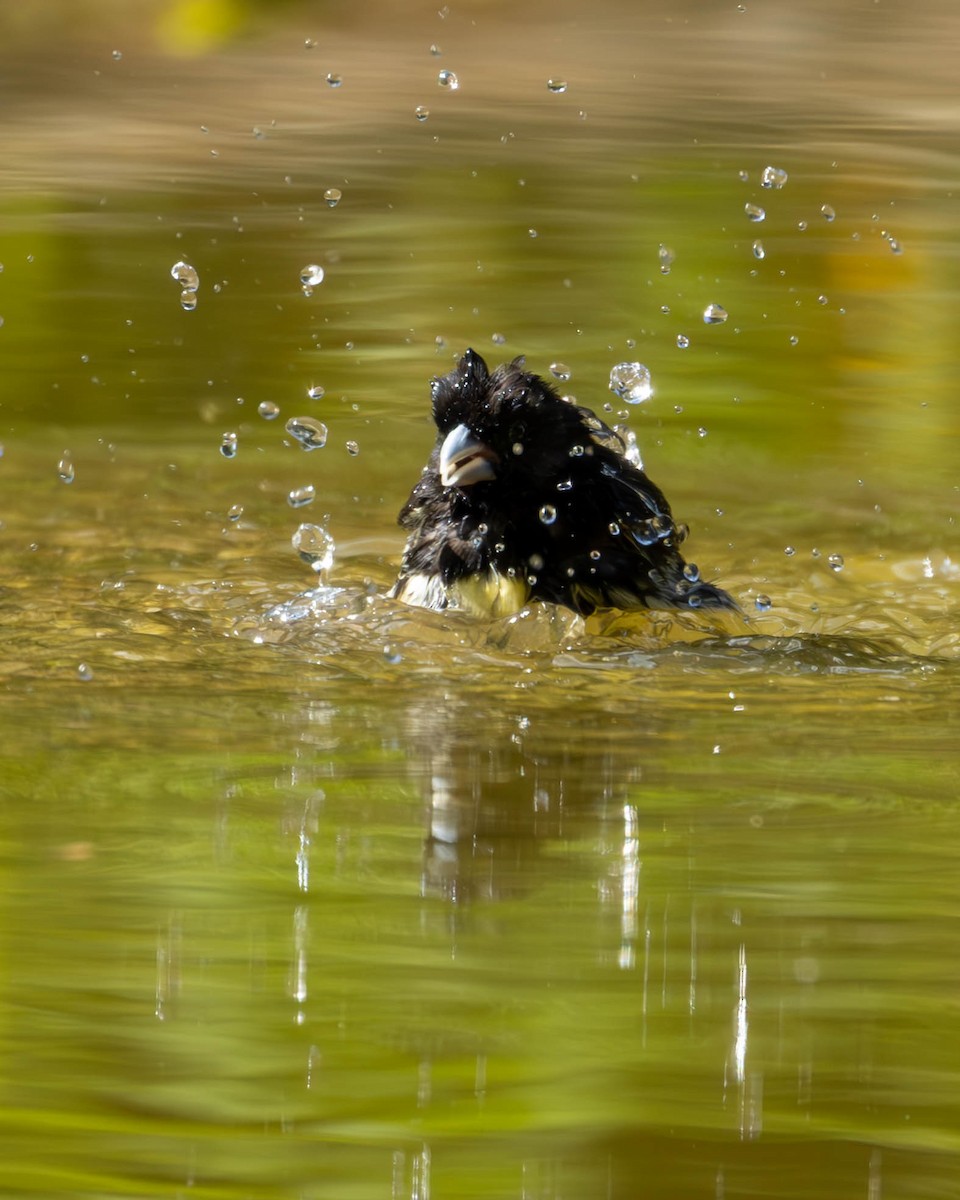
[[464, 459]]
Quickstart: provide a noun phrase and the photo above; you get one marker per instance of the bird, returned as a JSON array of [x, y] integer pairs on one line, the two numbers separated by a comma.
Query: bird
[[529, 497]]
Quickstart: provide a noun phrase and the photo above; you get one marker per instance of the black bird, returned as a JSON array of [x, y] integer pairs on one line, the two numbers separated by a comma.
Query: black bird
[[527, 496]]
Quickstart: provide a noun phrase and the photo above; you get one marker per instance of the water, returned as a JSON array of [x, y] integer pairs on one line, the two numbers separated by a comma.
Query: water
[[631, 382], [310, 433], [307, 894]]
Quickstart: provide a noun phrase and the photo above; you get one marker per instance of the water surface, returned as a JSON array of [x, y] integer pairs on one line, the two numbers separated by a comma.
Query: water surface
[[309, 895]]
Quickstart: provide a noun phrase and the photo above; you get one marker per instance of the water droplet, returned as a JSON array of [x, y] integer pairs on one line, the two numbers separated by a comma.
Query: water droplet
[[644, 533], [66, 469], [84, 672], [186, 275], [332, 197], [117, 55], [535, 562], [560, 371], [665, 256], [662, 526], [448, 80], [789, 551], [895, 246], [556, 85], [268, 410], [235, 512], [614, 529], [763, 602], [391, 655], [773, 177], [631, 450], [228, 445], [435, 50], [301, 496], [822, 300], [565, 485], [310, 277], [421, 112], [794, 339], [531, 233], [754, 212], [835, 562], [334, 80], [631, 382], [691, 572], [309, 432], [315, 546], [714, 314], [827, 212], [353, 448], [743, 176], [665, 309], [701, 432], [576, 452], [682, 341], [802, 226], [188, 301], [758, 250]]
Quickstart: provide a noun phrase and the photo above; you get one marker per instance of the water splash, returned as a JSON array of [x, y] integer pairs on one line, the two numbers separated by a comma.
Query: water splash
[[302, 496], [189, 279], [315, 547], [311, 276], [773, 177], [186, 275], [714, 314], [309, 432], [631, 382]]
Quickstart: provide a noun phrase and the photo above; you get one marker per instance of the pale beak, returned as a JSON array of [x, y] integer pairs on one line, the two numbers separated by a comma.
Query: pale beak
[[464, 459]]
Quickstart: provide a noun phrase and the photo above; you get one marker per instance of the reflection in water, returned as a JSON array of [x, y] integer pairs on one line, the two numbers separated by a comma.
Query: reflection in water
[[344, 900]]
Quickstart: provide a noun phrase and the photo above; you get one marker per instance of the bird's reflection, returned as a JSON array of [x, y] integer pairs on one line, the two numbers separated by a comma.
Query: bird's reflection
[[499, 788]]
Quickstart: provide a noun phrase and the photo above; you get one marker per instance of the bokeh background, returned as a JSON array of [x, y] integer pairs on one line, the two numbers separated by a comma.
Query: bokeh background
[[307, 895]]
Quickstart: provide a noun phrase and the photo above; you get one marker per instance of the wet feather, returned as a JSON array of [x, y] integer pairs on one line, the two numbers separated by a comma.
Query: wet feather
[[528, 497]]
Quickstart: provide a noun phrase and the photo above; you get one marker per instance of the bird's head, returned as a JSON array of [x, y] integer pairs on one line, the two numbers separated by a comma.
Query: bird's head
[[488, 423]]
